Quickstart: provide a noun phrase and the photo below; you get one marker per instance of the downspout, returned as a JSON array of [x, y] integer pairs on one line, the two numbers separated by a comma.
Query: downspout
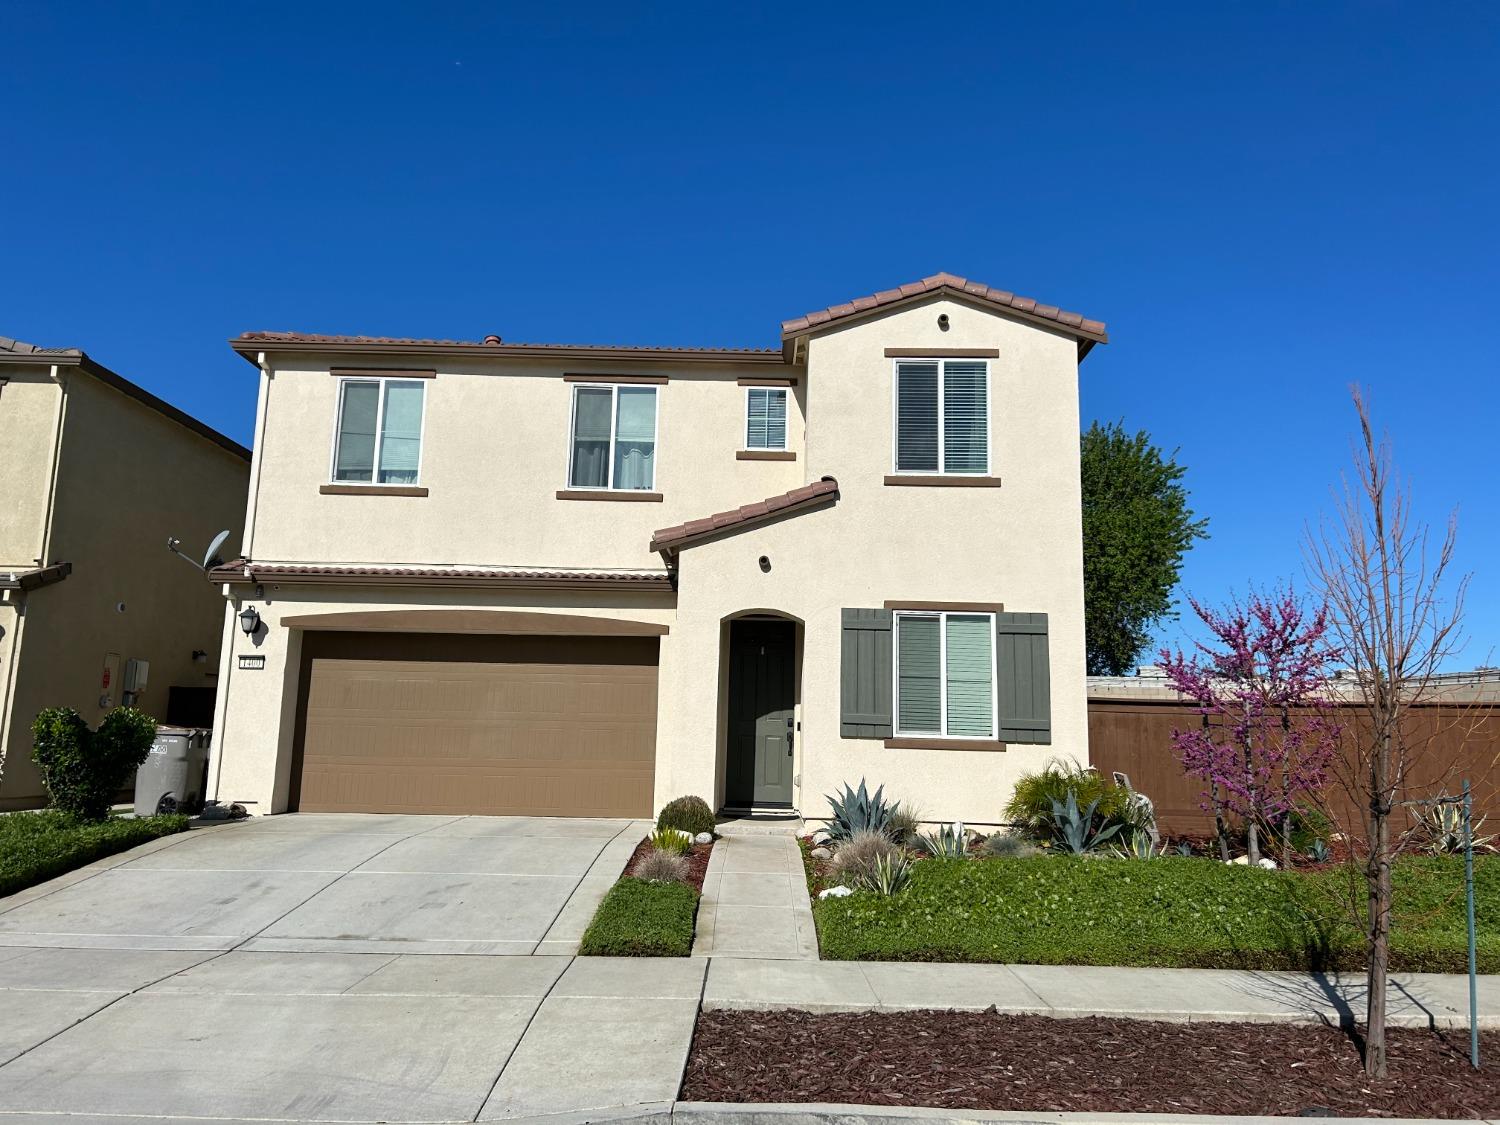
[[50, 508], [256, 452], [221, 691]]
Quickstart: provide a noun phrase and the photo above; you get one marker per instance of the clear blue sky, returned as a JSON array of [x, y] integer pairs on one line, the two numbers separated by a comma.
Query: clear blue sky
[[1264, 201]]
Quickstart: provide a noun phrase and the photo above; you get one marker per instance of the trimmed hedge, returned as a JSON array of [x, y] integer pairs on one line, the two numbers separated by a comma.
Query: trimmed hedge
[[37, 846], [1167, 912], [641, 919]]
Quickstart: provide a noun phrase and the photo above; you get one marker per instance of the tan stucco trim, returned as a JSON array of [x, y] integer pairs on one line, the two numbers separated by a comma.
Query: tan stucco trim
[[474, 621], [954, 607], [629, 380], [383, 372], [371, 490], [939, 480], [626, 495], [765, 455], [942, 353], [944, 744]]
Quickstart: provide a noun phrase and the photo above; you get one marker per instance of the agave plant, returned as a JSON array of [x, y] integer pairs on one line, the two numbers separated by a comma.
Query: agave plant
[[1441, 829], [1185, 849], [856, 810], [887, 875], [1317, 851], [951, 841], [1139, 845], [1073, 831]]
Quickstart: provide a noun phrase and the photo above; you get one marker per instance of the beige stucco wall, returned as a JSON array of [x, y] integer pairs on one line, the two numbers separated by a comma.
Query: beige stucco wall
[[128, 477], [29, 403], [495, 449], [1019, 544]]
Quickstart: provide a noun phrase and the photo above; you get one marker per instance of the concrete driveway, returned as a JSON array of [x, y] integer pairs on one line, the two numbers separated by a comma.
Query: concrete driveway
[[337, 968]]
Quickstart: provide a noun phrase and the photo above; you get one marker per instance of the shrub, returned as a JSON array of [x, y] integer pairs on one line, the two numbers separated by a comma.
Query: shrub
[[674, 841], [37, 846], [658, 866], [641, 919], [1009, 845], [83, 770], [856, 856], [690, 814], [1031, 805], [855, 810]]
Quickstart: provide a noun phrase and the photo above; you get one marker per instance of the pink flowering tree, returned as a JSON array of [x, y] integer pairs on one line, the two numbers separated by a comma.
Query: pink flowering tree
[[1268, 738]]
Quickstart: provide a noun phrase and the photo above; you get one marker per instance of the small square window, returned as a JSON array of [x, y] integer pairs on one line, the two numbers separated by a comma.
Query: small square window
[[765, 418]]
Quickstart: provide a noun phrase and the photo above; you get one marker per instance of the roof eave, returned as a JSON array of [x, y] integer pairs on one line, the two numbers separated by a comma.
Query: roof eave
[[248, 350], [250, 574]]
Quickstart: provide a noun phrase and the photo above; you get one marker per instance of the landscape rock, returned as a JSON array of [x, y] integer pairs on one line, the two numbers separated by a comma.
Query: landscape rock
[[704, 838], [822, 853], [835, 892]]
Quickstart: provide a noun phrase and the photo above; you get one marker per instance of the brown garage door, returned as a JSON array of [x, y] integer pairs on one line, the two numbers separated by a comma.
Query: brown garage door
[[539, 725]]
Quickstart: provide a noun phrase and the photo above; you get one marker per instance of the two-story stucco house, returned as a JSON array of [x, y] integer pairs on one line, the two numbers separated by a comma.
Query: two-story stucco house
[[582, 580], [96, 473]]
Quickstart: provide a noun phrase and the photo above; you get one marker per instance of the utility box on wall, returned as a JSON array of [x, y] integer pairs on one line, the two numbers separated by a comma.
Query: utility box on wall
[[137, 673]]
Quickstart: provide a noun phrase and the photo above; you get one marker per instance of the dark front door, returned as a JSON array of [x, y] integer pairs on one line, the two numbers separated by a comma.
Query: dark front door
[[762, 691]]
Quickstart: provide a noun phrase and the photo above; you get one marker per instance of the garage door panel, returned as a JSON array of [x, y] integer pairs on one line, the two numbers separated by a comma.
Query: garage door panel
[[564, 729]]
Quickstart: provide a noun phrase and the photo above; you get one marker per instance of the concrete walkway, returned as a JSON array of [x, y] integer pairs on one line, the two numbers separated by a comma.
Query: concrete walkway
[[1416, 999], [755, 900]]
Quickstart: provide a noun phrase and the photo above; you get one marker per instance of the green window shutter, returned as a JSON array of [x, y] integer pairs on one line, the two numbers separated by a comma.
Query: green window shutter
[[1025, 677], [865, 674]]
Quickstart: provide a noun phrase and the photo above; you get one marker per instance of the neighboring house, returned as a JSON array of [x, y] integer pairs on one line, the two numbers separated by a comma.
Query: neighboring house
[[534, 578], [96, 474]]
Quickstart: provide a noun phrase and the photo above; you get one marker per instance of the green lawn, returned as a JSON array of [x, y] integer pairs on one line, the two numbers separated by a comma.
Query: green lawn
[[1171, 912], [641, 919], [37, 846]]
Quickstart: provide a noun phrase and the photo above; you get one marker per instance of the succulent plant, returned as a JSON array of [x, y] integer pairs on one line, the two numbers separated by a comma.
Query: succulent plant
[[951, 841], [1139, 845], [1073, 831], [888, 875], [854, 810]]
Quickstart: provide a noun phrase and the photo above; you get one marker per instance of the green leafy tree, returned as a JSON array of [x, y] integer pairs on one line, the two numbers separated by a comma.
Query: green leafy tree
[[1137, 527]]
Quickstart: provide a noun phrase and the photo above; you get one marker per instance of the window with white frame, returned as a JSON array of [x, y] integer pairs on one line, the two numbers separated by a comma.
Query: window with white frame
[[943, 416], [614, 437], [945, 674], [379, 439], [765, 418]]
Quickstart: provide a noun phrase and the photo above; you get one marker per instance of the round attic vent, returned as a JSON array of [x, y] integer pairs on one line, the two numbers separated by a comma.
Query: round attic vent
[[492, 339]]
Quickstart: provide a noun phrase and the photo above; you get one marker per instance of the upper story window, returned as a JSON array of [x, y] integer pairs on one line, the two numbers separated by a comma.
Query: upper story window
[[614, 437], [765, 418], [945, 674], [943, 416], [379, 438]]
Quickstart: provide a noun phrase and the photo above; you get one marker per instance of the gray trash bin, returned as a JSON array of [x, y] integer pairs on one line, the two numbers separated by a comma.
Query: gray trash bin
[[171, 778]]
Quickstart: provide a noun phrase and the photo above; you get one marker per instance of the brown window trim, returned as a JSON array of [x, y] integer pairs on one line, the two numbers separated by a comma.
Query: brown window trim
[[626, 495], [380, 373], [915, 743], [942, 353], [765, 455], [371, 490], [942, 480], [766, 382], [950, 607], [625, 380]]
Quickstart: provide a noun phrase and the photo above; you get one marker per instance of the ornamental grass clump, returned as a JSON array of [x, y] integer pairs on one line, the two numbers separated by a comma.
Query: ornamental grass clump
[[673, 841], [1009, 845], [658, 866], [857, 856]]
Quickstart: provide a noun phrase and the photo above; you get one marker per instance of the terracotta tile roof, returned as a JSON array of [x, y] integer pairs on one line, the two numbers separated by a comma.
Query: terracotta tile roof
[[236, 571], [21, 347], [490, 342], [1074, 322], [736, 519]]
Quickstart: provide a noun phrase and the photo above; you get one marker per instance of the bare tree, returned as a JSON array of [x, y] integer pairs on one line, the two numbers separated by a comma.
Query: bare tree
[[1385, 580]]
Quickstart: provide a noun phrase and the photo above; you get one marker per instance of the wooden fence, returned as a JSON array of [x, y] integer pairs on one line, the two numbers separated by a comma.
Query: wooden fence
[[1135, 738]]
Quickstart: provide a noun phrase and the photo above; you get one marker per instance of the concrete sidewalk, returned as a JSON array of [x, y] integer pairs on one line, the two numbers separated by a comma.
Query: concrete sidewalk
[[755, 900], [1416, 999]]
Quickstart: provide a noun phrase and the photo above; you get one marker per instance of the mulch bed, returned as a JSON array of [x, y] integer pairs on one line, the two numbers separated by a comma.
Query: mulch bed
[[697, 862], [984, 1060]]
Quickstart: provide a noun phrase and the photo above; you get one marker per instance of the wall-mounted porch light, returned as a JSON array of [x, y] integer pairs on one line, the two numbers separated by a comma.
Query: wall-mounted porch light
[[249, 621]]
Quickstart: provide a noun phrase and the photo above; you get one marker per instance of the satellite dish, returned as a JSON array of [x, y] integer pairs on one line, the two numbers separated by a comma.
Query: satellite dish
[[211, 559]]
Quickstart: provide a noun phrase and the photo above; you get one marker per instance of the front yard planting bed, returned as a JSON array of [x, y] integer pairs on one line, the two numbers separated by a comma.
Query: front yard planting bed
[[987, 1061], [639, 918], [1166, 912], [37, 846]]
